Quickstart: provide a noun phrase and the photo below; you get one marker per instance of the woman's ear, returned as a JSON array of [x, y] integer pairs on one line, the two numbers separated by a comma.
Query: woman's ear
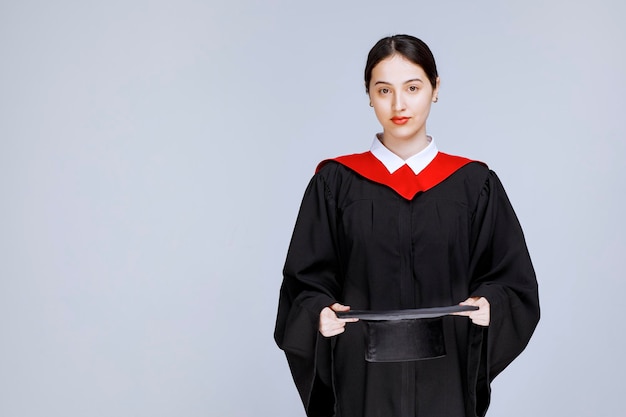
[[436, 91]]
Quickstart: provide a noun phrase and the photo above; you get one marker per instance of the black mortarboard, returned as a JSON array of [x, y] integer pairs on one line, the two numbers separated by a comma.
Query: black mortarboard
[[404, 335]]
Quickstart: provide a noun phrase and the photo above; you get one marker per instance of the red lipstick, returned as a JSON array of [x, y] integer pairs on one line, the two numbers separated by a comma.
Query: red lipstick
[[399, 120]]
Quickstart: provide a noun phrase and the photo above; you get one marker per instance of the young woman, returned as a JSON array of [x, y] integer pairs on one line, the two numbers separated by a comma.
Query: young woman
[[404, 227]]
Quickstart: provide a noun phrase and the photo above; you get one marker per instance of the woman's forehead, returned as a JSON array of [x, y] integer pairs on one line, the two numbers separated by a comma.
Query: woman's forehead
[[396, 68]]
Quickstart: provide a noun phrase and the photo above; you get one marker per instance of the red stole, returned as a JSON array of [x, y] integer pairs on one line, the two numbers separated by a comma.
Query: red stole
[[403, 181]]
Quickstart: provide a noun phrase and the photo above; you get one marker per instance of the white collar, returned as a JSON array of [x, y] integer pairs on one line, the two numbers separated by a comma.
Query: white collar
[[393, 162]]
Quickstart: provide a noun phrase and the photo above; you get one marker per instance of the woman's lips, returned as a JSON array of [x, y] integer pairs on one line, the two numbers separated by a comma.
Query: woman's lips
[[400, 120]]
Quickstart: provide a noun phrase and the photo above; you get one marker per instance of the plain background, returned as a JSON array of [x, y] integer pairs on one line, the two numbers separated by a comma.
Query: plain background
[[153, 155]]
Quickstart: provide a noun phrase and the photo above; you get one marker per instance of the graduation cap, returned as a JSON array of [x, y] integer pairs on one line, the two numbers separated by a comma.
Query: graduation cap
[[404, 335]]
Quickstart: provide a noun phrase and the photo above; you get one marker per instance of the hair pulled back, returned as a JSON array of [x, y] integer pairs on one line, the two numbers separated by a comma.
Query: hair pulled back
[[410, 48]]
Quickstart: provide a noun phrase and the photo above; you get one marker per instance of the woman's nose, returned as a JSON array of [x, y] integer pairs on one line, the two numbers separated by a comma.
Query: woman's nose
[[398, 102]]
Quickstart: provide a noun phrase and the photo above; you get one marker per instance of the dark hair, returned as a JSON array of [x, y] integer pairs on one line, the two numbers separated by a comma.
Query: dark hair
[[410, 48]]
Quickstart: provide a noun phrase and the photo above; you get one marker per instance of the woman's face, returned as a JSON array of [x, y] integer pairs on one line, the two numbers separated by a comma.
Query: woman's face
[[401, 95]]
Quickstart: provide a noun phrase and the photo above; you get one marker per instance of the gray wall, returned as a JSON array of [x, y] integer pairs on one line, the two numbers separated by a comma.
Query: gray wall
[[153, 155]]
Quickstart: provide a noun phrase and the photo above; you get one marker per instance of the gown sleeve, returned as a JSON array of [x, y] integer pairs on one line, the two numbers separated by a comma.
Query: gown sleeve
[[502, 272], [310, 283]]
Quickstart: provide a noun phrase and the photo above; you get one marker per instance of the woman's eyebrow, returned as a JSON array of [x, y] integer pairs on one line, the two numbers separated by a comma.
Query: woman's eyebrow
[[412, 80]]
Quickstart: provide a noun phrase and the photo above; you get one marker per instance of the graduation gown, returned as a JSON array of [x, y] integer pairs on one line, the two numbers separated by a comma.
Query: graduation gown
[[379, 241]]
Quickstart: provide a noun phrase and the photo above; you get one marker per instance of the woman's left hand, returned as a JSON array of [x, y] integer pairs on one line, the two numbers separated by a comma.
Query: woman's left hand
[[481, 316]]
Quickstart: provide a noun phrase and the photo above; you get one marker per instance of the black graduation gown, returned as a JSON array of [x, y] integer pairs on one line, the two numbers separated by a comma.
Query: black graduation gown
[[359, 242]]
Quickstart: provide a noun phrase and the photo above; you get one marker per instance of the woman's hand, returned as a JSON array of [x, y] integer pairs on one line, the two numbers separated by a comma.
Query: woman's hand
[[480, 317], [330, 324]]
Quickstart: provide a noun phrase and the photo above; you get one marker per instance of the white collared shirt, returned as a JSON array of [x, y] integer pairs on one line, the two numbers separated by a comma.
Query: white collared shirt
[[393, 162]]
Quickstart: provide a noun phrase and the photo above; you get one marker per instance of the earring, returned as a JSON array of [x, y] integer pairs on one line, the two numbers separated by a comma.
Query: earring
[[371, 104], [436, 99]]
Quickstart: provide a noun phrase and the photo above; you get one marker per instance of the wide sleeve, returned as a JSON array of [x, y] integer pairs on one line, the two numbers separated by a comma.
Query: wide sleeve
[[310, 283], [501, 271]]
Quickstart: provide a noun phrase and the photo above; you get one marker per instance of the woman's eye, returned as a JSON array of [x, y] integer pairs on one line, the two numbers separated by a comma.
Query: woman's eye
[[384, 91], [413, 88]]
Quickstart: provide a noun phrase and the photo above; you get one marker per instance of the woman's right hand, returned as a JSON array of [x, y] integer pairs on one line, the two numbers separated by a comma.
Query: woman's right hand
[[330, 324]]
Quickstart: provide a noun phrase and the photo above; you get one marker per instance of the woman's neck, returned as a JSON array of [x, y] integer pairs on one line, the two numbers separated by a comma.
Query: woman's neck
[[405, 148]]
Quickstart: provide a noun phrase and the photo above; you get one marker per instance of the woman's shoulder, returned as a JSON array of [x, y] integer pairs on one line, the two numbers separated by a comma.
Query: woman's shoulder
[[354, 159], [339, 167], [470, 167], [474, 176]]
